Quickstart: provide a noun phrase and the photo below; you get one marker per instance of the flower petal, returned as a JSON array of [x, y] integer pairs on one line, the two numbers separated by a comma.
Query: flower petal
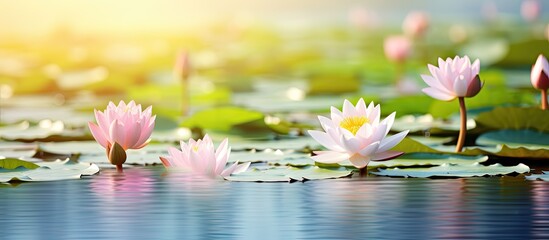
[[392, 141], [387, 155], [435, 93], [460, 86], [98, 134], [329, 156], [359, 161], [325, 140], [369, 150]]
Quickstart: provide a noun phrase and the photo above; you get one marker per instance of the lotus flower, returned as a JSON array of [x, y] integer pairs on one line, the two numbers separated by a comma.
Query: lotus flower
[[540, 79], [122, 127], [356, 134], [453, 78], [201, 157], [415, 24], [397, 48]]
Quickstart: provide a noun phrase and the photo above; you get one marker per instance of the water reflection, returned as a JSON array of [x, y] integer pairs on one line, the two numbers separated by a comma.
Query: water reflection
[[150, 203]]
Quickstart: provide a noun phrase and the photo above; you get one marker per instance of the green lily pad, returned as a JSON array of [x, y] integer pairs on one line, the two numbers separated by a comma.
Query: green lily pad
[[454, 170], [516, 118], [51, 171], [14, 163], [221, 118], [542, 177], [298, 143], [294, 162], [289, 174], [507, 151], [515, 138], [422, 159], [409, 145]]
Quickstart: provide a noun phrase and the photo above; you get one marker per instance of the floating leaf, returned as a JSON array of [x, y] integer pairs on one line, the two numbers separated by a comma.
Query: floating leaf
[[454, 170], [298, 143], [543, 177], [13, 163], [419, 159], [507, 151], [428, 123], [51, 171], [289, 174], [515, 118], [268, 155], [221, 118], [409, 145], [407, 105], [515, 138]]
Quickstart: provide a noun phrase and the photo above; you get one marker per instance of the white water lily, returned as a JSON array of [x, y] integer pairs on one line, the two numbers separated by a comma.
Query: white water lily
[[356, 134]]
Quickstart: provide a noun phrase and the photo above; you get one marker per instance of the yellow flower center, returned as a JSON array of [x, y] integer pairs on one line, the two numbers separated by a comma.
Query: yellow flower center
[[353, 123], [195, 148]]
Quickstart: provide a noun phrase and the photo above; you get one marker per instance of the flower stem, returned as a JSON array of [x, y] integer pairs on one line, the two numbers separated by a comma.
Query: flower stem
[[363, 172], [463, 124], [185, 105], [544, 99], [119, 168]]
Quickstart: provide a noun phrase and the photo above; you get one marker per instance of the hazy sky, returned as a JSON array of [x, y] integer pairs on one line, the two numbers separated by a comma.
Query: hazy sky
[[88, 16]]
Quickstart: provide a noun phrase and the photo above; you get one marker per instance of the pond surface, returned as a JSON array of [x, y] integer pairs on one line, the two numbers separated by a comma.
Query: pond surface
[[148, 203]]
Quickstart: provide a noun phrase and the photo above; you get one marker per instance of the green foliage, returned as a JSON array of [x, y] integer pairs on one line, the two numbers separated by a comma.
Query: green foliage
[[516, 118], [14, 163], [488, 97], [515, 138], [221, 118], [407, 105], [409, 145]]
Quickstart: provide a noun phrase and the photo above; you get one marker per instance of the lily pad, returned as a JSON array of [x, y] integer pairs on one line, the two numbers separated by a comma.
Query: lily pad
[[508, 151], [51, 171], [290, 174], [516, 118], [14, 163], [454, 170], [221, 118], [543, 177], [298, 143], [422, 159], [409, 145], [294, 162], [268, 155], [515, 138]]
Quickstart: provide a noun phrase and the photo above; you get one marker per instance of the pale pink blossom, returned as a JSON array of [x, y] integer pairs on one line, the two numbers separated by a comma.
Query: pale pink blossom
[[126, 125], [201, 157], [530, 10], [397, 48], [453, 78], [538, 76], [182, 66], [356, 134], [415, 24]]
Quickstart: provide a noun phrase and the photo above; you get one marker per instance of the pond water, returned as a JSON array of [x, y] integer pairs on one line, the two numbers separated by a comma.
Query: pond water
[[149, 203]]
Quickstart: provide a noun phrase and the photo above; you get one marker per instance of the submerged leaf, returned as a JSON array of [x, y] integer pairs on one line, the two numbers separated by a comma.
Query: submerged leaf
[[454, 170]]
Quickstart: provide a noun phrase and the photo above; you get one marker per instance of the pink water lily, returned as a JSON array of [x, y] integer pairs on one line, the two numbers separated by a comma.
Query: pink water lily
[[122, 127], [454, 78], [201, 157], [540, 78], [415, 24], [397, 48], [356, 134]]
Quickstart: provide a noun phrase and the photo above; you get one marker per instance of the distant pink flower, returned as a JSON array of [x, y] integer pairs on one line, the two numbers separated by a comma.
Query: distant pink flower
[[356, 134], [539, 75], [453, 78], [397, 48], [415, 24], [201, 157], [530, 10], [126, 125], [182, 66]]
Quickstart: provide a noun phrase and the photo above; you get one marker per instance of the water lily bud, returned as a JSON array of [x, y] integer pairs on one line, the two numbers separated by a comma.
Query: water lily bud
[[117, 155], [415, 24], [397, 48], [474, 87], [538, 76]]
